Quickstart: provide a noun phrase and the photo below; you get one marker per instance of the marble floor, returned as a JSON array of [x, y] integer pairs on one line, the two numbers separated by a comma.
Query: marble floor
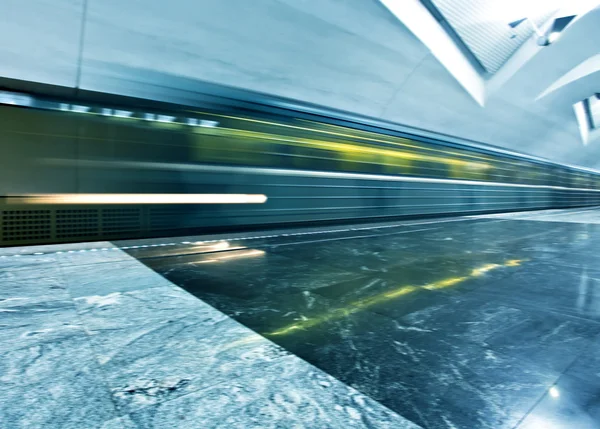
[[473, 322]]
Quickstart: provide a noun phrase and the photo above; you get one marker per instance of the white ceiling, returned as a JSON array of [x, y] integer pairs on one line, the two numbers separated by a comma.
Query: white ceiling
[[483, 25]]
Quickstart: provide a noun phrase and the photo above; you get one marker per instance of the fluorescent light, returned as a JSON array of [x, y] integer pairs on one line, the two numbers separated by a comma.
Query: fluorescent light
[[582, 121], [594, 105], [558, 25], [137, 199]]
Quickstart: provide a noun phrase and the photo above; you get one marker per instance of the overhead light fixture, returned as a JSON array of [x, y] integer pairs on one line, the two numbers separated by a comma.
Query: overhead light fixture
[[587, 113], [555, 30], [551, 35]]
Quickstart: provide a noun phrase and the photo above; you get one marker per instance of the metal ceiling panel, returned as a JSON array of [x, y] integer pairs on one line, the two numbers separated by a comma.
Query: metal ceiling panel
[[483, 25]]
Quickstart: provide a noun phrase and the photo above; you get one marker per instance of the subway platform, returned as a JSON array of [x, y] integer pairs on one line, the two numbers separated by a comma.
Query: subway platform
[[488, 321]]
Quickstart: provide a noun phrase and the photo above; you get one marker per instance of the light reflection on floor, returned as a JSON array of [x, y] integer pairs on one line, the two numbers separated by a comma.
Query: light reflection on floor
[[466, 324]]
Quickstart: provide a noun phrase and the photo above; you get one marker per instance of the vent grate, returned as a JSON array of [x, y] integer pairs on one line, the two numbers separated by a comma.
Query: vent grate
[[77, 223], [20, 225], [124, 221]]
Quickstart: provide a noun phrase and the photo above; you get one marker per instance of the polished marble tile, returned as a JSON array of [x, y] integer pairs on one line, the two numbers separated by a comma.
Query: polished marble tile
[[497, 395], [28, 266], [464, 325], [55, 384], [465, 318], [31, 323], [570, 403], [287, 394], [569, 290], [174, 249], [587, 365], [197, 245], [580, 259], [34, 272], [407, 365], [424, 376], [549, 339], [371, 248], [26, 291], [105, 278], [246, 273], [434, 250], [495, 391], [388, 298], [157, 364], [261, 315], [26, 261], [121, 310], [174, 345]]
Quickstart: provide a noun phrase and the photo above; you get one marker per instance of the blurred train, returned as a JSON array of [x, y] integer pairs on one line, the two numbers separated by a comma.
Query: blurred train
[[284, 167]]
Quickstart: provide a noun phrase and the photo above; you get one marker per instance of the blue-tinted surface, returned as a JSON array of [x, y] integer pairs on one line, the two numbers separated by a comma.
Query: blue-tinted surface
[[486, 322], [456, 324]]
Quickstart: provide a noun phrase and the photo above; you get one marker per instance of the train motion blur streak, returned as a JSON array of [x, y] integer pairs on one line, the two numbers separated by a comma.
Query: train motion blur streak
[[328, 147], [136, 199], [306, 170]]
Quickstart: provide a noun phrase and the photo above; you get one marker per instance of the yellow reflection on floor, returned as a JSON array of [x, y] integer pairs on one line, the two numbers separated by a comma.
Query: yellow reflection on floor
[[390, 295]]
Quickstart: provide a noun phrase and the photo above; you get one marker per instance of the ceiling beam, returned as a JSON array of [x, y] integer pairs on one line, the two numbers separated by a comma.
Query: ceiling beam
[[418, 19]]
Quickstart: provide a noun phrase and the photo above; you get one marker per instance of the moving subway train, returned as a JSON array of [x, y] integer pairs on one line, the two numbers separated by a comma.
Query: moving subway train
[[90, 171]]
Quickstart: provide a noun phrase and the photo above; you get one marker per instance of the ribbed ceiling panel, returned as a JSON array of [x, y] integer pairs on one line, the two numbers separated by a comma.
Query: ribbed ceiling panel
[[483, 26]]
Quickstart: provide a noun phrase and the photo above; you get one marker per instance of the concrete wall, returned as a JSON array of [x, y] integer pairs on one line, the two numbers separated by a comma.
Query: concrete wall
[[346, 54], [40, 40]]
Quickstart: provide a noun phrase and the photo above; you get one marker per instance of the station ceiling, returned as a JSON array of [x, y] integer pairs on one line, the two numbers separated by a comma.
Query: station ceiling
[[482, 25]]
